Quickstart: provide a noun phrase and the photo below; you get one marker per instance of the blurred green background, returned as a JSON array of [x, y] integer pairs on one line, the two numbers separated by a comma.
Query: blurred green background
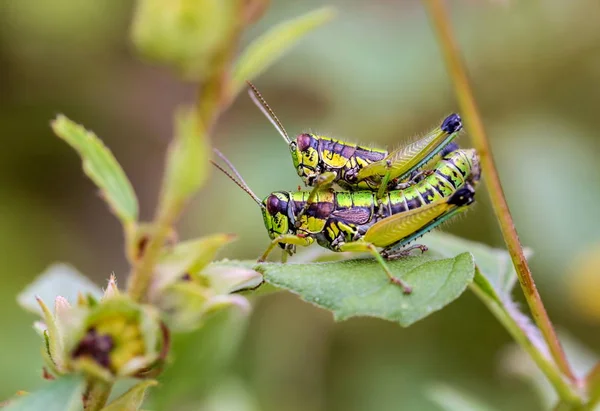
[[373, 75]]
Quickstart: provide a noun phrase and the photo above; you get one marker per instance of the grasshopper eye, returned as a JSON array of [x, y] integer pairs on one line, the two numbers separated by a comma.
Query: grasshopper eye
[[272, 204], [303, 141]]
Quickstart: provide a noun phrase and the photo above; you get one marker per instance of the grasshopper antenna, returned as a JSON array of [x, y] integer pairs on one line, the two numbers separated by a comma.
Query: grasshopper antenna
[[240, 181], [261, 103]]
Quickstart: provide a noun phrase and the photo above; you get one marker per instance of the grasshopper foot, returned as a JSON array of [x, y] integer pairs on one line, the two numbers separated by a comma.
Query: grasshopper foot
[[406, 289]]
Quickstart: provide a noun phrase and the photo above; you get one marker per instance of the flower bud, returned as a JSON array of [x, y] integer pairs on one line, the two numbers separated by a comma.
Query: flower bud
[[117, 338], [187, 34]]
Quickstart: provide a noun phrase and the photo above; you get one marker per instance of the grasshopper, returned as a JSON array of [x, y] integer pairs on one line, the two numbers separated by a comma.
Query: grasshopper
[[349, 220], [322, 161]]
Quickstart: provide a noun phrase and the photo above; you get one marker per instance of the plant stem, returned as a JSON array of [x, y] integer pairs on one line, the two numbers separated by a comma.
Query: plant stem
[[210, 104], [96, 395], [474, 125], [564, 390], [141, 274], [593, 387]]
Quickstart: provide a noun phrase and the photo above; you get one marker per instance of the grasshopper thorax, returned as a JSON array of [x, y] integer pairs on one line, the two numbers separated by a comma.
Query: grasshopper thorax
[[276, 214], [305, 155]]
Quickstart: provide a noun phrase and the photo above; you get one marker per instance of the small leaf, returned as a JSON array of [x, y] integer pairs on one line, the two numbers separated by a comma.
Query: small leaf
[[52, 336], [112, 290], [131, 400], [269, 47], [58, 279], [225, 278], [63, 394], [101, 166], [451, 399], [360, 287], [187, 160], [190, 256]]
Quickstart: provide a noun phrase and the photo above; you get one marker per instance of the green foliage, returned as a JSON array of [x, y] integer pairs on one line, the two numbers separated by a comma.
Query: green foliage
[[101, 166], [63, 394], [360, 288], [131, 400], [187, 160], [269, 47]]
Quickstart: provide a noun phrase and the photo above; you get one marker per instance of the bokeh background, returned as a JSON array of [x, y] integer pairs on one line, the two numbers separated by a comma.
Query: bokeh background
[[373, 75]]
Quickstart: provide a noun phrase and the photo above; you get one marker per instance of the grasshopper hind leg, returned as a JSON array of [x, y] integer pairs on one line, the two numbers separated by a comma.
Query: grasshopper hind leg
[[362, 247]]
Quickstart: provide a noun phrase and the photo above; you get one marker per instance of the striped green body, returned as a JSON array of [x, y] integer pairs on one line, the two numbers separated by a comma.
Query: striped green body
[[336, 217], [313, 154]]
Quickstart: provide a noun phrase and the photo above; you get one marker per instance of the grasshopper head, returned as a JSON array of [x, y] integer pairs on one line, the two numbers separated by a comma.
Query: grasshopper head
[[305, 155], [275, 214]]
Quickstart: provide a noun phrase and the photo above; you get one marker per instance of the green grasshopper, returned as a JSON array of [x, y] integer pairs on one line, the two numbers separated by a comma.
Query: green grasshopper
[[349, 221], [321, 161]]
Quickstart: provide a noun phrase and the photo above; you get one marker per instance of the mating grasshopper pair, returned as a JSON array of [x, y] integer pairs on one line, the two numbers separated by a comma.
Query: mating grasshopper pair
[[386, 201]]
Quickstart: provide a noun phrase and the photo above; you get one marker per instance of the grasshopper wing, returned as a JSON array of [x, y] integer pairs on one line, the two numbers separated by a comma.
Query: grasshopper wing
[[404, 160], [397, 227]]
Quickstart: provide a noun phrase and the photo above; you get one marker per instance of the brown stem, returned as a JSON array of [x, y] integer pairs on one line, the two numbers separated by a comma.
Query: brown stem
[[439, 18]]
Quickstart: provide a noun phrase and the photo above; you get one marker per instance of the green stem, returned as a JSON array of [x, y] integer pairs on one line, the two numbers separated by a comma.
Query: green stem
[[96, 395], [546, 365], [141, 275], [593, 388], [474, 125]]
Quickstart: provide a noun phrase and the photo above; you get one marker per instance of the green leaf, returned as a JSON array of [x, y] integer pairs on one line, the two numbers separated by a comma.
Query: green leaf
[[187, 160], [58, 279], [52, 336], [63, 394], [360, 287], [131, 400], [101, 166], [273, 44], [190, 256], [451, 399]]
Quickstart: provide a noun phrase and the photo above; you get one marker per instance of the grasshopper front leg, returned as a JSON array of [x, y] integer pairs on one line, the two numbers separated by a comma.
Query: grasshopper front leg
[[322, 182], [363, 246], [290, 239], [383, 189]]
